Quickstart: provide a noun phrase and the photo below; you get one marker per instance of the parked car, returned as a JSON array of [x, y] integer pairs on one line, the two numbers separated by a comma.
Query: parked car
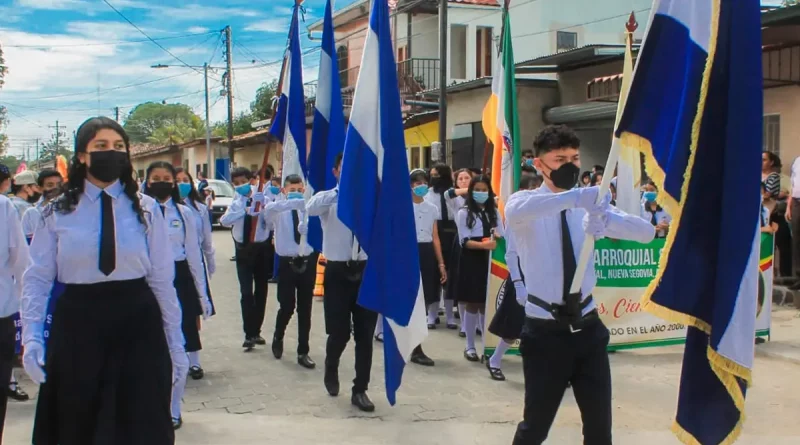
[[223, 197]]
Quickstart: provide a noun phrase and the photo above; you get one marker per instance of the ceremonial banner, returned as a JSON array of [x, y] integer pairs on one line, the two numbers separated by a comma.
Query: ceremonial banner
[[624, 269]]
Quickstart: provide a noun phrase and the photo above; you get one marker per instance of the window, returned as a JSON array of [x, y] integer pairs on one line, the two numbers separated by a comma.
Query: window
[[342, 56], [772, 133], [566, 40], [483, 53], [458, 52], [140, 174]]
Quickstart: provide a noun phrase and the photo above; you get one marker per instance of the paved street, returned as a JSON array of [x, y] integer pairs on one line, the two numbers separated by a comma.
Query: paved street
[[253, 398]]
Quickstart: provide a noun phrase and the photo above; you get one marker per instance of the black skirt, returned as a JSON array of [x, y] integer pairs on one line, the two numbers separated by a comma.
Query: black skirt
[[448, 239], [429, 268], [109, 372], [190, 305], [509, 317], [473, 275]]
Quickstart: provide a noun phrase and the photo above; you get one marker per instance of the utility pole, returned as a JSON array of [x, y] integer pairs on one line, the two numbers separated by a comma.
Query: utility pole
[[58, 128], [116, 114], [208, 126], [443, 74], [228, 77]]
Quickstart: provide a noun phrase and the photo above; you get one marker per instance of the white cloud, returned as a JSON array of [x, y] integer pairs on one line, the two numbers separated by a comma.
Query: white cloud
[[51, 4], [198, 12], [108, 30], [269, 25], [282, 10], [197, 29]]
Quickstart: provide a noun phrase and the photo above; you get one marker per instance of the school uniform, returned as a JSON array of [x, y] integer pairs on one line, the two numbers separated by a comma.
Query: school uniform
[[203, 225], [13, 261], [473, 265], [343, 273], [115, 327], [252, 262], [563, 340], [447, 205], [21, 205], [656, 217], [509, 318], [425, 215], [296, 274]]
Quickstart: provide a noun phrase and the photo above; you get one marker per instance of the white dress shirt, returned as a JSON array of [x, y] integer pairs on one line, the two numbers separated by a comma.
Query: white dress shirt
[[21, 205], [512, 261], [13, 258], [534, 216], [661, 217], [234, 217], [185, 243], [465, 232], [203, 224], [451, 203], [31, 218], [425, 215], [795, 178], [337, 242], [66, 247], [279, 215]]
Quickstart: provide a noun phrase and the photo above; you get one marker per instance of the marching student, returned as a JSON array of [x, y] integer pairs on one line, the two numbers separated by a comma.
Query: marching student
[[463, 178], [251, 257], [25, 191], [190, 276], [653, 212], [479, 223], [192, 199], [296, 268], [116, 344], [274, 189], [343, 273], [563, 340], [510, 316], [49, 182], [13, 260]]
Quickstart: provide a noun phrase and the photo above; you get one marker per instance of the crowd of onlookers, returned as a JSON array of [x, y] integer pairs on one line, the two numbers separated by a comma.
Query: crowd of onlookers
[[776, 189]]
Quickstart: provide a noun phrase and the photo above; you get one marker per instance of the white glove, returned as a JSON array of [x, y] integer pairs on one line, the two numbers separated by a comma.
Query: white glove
[[33, 361], [252, 210], [207, 308], [180, 364], [587, 199], [260, 198], [594, 224], [302, 227], [520, 290], [211, 265], [297, 204]]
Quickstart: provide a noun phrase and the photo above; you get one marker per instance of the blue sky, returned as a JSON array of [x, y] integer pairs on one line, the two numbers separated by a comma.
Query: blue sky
[[60, 53]]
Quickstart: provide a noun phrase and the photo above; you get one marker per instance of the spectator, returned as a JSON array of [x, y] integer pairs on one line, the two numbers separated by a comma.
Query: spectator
[[783, 235], [25, 190], [770, 173], [527, 158], [586, 178], [597, 178], [653, 212]]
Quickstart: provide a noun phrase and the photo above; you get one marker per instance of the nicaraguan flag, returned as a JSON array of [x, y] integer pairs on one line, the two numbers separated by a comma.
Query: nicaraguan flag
[[327, 135], [375, 201], [695, 111]]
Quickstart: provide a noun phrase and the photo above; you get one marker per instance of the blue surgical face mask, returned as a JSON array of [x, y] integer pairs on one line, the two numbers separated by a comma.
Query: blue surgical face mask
[[243, 189], [184, 188], [274, 189], [649, 196], [420, 190], [529, 162], [480, 197], [294, 195]]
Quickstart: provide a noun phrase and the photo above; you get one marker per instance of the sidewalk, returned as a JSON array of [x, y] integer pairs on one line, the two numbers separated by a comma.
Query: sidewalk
[[784, 341]]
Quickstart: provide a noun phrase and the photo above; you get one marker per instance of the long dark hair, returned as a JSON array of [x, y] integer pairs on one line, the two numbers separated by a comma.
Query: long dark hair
[[175, 194], [474, 209], [67, 202], [445, 181], [194, 196]]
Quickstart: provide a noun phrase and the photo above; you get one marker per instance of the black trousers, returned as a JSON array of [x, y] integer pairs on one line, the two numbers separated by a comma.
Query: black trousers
[[296, 290], [795, 223], [253, 273], [341, 295], [8, 334], [550, 360]]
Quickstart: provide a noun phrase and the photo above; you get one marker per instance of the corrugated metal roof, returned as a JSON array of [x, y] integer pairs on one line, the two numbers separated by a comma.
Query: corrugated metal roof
[[477, 2], [587, 111], [577, 58]]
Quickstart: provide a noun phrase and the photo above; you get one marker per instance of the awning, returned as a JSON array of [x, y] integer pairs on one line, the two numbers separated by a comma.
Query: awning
[[604, 88], [587, 111], [573, 59]]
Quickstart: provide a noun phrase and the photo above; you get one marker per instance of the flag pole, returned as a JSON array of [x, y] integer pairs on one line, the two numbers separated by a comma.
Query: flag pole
[[613, 157]]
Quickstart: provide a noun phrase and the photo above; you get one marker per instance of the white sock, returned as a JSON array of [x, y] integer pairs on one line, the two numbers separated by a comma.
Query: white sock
[[433, 312], [497, 358], [470, 320], [448, 312], [379, 326], [462, 310], [177, 397], [481, 321], [12, 384], [194, 358]]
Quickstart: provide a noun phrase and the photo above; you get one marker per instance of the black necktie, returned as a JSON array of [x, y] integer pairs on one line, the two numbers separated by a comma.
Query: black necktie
[[163, 210], [295, 222], [567, 254], [445, 216], [248, 225], [108, 249], [653, 219]]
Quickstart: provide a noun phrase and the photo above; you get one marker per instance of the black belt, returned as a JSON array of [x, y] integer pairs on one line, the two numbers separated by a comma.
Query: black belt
[[564, 326], [355, 268], [568, 314]]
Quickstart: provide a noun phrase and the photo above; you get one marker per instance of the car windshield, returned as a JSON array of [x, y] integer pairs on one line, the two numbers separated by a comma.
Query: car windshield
[[221, 189]]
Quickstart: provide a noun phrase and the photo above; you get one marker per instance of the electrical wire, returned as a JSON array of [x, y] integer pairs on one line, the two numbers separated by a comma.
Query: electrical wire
[[112, 43], [122, 87]]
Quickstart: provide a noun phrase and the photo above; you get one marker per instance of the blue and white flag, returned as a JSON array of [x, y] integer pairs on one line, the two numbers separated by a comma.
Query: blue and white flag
[[695, 111], [327, 135], [375, 201]]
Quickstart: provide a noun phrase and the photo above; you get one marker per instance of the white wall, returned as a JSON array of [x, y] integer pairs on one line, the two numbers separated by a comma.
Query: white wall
[[474, 17]]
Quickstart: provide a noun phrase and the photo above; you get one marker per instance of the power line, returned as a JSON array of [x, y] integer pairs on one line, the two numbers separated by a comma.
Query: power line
[[122, 87], [112, 43]]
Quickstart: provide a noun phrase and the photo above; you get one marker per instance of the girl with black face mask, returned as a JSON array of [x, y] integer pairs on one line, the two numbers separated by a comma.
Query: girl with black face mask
[[190, 277], [116, 339]]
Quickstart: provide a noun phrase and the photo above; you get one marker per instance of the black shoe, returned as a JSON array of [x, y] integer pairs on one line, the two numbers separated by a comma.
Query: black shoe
[[452, 326], [177, 423], [277, 348], [421, 359], [259, 340], [332, 380], [233, 258], [760, 340], [17, 393], [196, 372], [462, 334], [431, 326], [495, 373], [478, 332], [248, 344], [471, 355], [437, 321], [379, 338], [305, 361], [362, 402], [457, 315]]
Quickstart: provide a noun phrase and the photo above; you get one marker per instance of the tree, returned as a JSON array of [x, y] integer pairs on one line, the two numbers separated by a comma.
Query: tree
[[50, 149], [176, 133], [790, 2], [146, 118], [12, 162], [261, 108], [3, 137]]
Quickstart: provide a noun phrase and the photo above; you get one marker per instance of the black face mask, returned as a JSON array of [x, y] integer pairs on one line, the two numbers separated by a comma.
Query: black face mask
[[436, 181], [107, 166], [566, 176], [50, 194], [34, 197], [160, 190]]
